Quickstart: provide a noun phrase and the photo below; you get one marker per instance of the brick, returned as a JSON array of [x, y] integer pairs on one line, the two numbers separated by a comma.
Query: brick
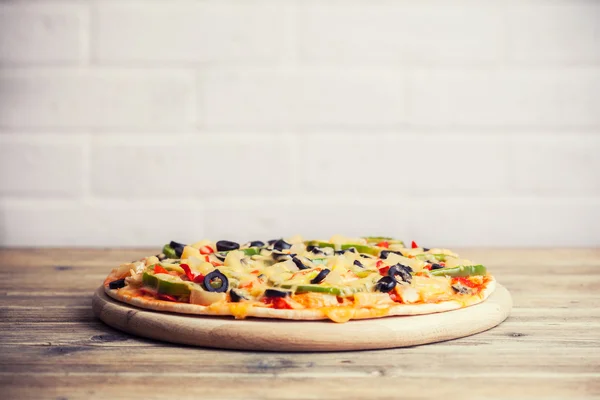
[[546, 98], [245, 219], [307, 98], [556, 166], [133, 224], [188, 31], [429, 32], [406, 166], [42, 33], [208, 166], [564, 32], [525, 222], [98, 98], [323, 217], [41, 167]]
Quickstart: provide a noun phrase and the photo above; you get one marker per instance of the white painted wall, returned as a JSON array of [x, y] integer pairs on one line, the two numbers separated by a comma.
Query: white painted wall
[[451, 122]]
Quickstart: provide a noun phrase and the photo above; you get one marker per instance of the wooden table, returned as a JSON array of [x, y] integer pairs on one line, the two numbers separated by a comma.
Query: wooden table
[[53, 347]]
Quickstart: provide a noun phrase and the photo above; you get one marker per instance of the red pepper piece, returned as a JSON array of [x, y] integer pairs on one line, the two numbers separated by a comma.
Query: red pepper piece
[[198, 278], [166, 297], [394, 296], [277, 302], [466, 282], [383, 244], [414, 245], [427, 267], [206, 259], [206, 250], [188, 271], [159, 270]]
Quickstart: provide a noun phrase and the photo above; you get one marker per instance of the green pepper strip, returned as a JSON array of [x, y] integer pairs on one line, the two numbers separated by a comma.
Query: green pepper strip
[[439, 257], [315, 288], [462, 270], [377, 239], [165, 287], [169, 252], [336, 291]]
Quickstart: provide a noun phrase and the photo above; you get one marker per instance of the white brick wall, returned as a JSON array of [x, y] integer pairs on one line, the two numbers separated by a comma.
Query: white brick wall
[[451, 122]]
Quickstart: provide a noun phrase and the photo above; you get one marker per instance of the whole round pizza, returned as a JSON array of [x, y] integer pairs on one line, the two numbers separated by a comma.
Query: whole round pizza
[[338, 279]]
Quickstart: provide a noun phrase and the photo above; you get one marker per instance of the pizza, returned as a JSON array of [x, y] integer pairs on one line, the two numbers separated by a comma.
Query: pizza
[[339, 279]]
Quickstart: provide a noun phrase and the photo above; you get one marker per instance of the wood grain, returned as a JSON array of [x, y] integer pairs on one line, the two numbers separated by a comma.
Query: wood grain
[[51, 346]]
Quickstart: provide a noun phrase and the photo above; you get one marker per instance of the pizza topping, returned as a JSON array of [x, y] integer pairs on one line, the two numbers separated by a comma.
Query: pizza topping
[[216, 282], [321, 276], [119, 283], [206, 250], [462, 289], [385, 284], [276, 293], [401, 272], [177, 247], [463, 270], [169, 252], [158, 269], [336, 276], [299, 263], [235, 296], [281, 245], [226, 245], [385, 254]]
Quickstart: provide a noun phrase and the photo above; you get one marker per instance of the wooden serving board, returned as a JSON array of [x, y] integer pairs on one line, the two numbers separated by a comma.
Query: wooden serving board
[[284, 335]]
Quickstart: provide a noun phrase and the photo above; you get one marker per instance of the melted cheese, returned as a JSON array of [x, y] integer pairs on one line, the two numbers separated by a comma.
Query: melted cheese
[[348, 286]]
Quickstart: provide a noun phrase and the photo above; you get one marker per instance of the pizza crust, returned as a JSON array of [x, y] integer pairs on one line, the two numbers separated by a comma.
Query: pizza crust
[[240, 310]]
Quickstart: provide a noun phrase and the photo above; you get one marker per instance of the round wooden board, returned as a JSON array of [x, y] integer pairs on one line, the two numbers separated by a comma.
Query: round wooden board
[[285, 335]]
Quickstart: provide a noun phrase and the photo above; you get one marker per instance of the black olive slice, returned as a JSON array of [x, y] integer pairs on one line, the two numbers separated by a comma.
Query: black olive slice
[[365, 256], [314, 249], [161, 257], [322, 275], [256, 243], [385, 253], [216, 282], [385, 284], [299, 263], [279, 256], [276, 293], [358, 264], [118, 284], [436, 266], [458, 288], [221, 256], [226, 245], [425, 249], [178, 247], [235, 296], [281, 245], [272, 241], [401, 271]]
